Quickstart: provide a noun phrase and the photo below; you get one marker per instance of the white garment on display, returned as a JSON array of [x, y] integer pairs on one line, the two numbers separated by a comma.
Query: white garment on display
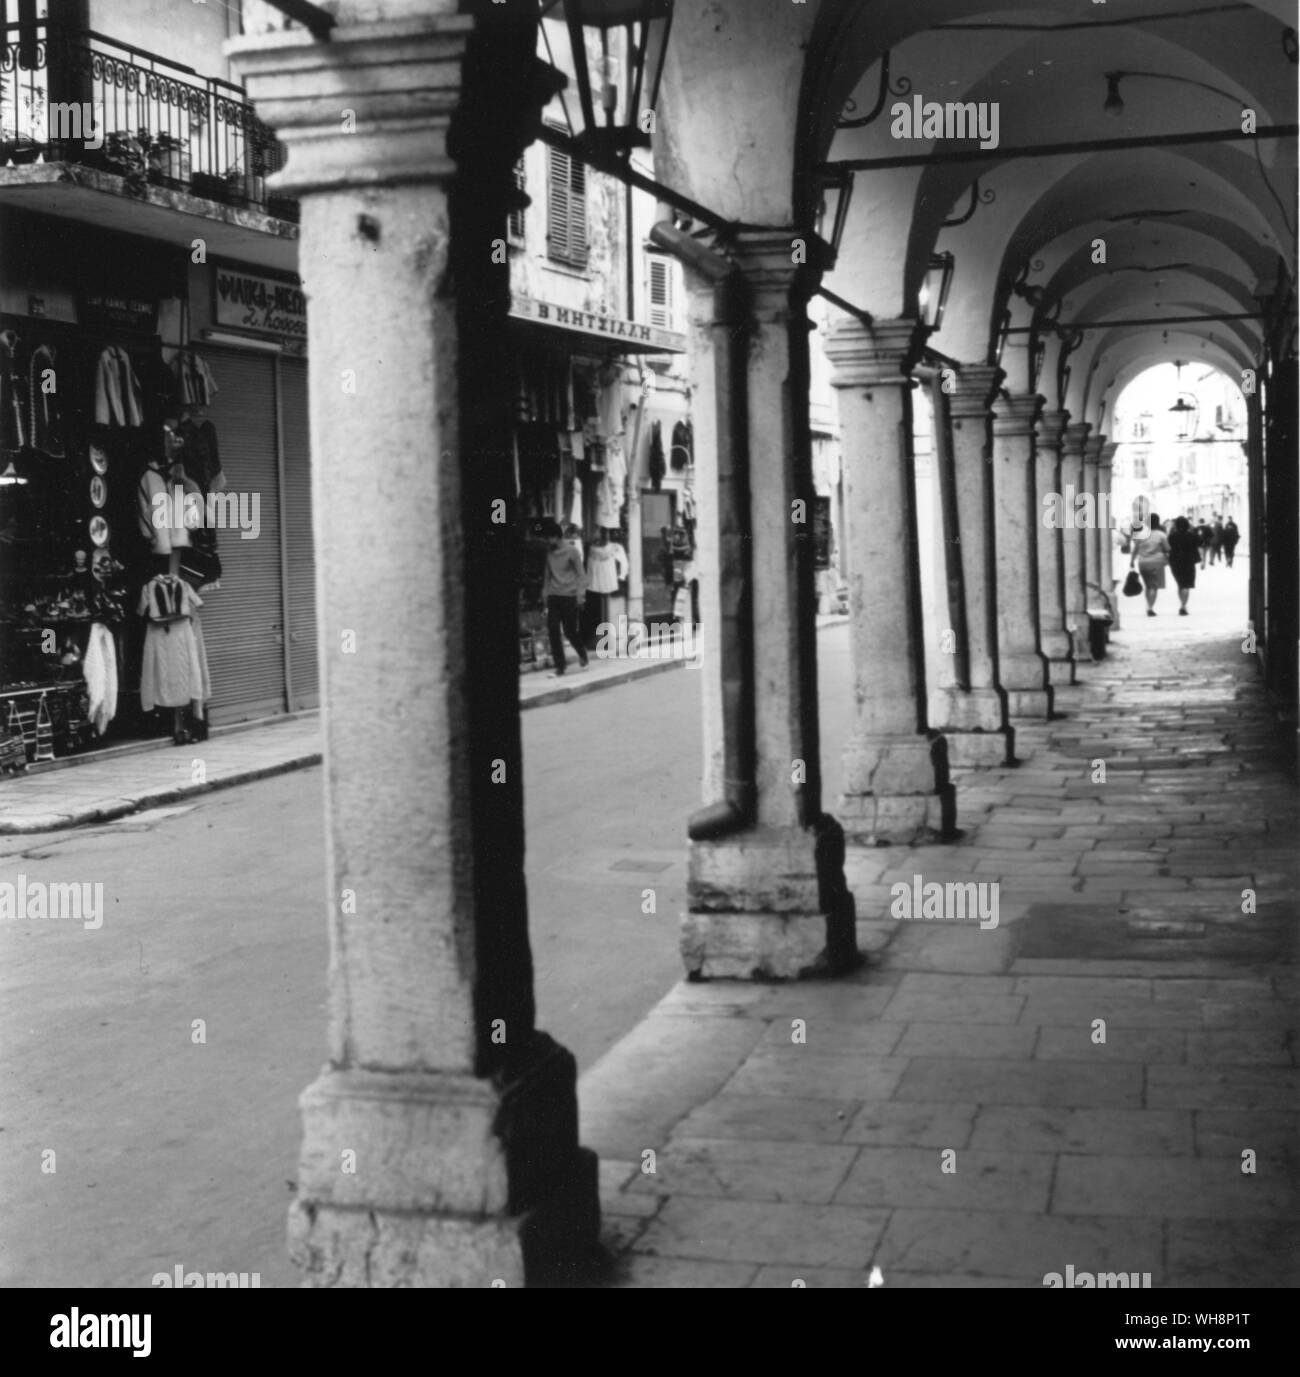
[[616, 471], [608, 564], [99, 666]]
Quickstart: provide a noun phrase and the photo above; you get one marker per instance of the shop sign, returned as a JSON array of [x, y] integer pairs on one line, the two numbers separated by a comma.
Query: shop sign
[[264, 305], [634, 334], [119, 311]]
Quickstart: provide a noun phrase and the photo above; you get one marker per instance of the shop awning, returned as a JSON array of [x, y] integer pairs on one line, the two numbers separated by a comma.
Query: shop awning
[[612, 333]]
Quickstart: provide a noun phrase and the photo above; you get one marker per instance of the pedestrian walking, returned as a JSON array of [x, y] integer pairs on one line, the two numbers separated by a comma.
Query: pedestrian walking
[[1150, 557], [564, 589], [1231, 535], [1184, 556], [1205, 534], [1216, 541]]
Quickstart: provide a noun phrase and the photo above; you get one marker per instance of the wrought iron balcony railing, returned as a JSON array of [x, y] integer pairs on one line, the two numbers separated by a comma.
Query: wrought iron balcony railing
[[78, 96]]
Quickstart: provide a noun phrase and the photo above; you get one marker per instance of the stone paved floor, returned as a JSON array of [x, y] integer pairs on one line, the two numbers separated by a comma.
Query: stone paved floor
[[1118, 901]]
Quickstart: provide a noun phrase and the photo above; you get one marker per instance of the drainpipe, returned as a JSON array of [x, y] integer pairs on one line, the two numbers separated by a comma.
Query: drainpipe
[[735, 810], [932, 375]]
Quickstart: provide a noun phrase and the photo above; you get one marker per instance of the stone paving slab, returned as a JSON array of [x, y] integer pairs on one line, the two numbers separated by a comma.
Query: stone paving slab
[[1118, 902]]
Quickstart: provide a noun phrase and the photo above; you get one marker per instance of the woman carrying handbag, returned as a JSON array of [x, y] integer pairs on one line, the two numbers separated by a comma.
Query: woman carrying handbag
[[1150, 559]]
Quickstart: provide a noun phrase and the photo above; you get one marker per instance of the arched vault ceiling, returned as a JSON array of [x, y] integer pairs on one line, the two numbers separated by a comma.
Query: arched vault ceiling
[[1112, 350], [1049, 88]]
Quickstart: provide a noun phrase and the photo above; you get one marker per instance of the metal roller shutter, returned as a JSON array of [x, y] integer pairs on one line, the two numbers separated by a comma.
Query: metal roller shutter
[[242, 620], [300, 563]]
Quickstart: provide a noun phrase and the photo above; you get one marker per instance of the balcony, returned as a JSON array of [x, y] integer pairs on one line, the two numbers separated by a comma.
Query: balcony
[[80, 97]]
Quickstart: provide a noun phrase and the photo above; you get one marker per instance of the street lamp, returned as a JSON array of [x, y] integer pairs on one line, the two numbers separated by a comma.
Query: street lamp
[[837, 192], [646, 24], [933, 296]]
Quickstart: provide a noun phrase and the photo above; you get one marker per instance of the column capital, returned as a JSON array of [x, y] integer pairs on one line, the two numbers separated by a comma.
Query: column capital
[[1107, 455], [1075, 437], [372, 107], [767, 259], [870, 355], [973, 390], [1016, 415], [1051, 428], [1092, 448]]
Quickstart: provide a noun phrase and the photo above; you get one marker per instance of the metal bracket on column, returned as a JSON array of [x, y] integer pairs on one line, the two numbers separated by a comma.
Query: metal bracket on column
[[977, 197], [900, 88]]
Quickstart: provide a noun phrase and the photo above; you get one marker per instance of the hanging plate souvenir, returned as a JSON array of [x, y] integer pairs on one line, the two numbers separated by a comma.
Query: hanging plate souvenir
[[98, 459], [98, 491], [99, 530]]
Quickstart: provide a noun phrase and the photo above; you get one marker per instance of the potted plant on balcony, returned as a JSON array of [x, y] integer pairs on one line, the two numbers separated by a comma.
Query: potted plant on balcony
[[169, 159]]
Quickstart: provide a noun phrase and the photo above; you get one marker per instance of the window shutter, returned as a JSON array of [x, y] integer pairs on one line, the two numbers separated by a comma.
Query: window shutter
[[557, 206], [577, 213], [515, 223], [660, 292], [566, 215]]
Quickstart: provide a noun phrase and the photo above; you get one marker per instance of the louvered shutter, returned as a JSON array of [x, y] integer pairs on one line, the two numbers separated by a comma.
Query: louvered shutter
[[557, 206], [660, 292]]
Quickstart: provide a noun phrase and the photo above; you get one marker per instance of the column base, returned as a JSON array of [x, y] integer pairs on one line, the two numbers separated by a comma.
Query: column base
[[982, 750], [967, 710], [899, 819], [1029, 702], [769, 904], [441, 1179], [1060, 672]]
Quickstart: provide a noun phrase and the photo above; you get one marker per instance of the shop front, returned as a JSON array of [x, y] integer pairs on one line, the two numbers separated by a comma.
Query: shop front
[[580, 434], [154, 498]]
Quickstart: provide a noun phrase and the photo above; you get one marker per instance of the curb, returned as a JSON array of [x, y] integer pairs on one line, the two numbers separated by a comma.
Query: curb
[[562, 695], [57, 822]]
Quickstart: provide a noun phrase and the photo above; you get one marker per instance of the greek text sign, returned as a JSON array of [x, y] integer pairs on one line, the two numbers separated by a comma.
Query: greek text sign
[[635, 336], [266, 305]]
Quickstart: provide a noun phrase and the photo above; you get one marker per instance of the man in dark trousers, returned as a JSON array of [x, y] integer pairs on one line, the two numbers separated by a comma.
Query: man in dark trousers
[[1206, 533], [565, 590], [1216, 540], [1231, 535]]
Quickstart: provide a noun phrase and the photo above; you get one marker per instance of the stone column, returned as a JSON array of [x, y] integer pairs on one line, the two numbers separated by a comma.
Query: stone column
[[767, 896], [1092, 533], [440, 1140], [1022, 668], [897, 788], [1076, 604], [973, 719], [1052, 635], [1106, 532]]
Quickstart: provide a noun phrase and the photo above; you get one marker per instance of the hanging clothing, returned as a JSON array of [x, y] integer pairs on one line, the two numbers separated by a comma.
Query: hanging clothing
[[99, 666], [655, 467], [611, 404], [197, 385], [165, 538], [13, 434], [607, 566], [45, 408], [200, 456], [682, 452], [174, 672], [117, 389]]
